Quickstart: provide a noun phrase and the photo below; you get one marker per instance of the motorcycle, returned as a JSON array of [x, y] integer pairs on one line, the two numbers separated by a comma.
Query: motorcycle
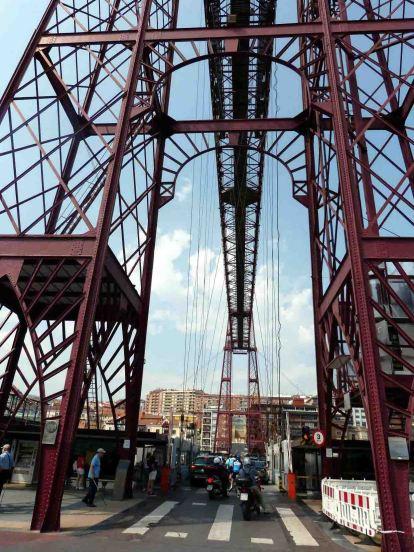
[[215, 488], [248, 500]]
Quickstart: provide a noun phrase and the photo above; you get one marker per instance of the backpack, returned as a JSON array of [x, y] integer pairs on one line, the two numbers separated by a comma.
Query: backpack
[[236, 466]]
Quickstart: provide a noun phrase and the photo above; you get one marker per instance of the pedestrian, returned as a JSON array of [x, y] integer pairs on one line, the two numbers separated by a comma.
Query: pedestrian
[[6, 466], [93, 478], [152, 476], [149, 459], [80, 472]]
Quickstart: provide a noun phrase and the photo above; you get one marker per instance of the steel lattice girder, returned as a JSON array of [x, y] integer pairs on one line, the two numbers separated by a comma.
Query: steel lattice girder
[[240, 90], [345, 128]]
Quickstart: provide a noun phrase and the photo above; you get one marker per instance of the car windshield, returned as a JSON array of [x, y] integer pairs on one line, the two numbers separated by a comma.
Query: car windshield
[[203, 461]]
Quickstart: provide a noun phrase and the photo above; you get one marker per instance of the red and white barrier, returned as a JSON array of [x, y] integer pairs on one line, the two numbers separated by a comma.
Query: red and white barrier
[[354, 504]]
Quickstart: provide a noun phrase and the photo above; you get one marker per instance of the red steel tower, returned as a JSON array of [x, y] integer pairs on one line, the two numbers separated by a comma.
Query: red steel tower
[[90, 154]]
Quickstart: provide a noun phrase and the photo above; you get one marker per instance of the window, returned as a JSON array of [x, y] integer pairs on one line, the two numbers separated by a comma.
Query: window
[[204, 461]]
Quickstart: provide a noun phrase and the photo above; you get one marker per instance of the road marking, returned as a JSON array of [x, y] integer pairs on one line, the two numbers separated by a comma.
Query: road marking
[[221, 528], [142, 525], [298, 531], [261, 541], [199, 503], [174, 535]]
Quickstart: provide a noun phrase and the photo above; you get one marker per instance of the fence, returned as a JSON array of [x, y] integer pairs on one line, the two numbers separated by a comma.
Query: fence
[[354, 504]]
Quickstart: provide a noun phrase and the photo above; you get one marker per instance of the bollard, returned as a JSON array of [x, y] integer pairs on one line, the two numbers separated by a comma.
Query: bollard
[[291, 479], [165, 479]]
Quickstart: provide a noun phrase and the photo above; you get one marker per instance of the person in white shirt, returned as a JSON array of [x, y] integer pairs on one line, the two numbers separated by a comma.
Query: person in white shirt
[[93, 478]]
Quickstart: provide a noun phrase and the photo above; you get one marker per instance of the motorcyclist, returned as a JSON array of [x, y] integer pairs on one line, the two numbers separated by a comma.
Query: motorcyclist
[[248, 471], [229, 466], [237, 465], [220, 471], [229, 462]]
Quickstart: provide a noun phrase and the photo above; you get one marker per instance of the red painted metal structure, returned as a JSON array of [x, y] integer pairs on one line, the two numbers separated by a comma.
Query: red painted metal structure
[[89, 155]]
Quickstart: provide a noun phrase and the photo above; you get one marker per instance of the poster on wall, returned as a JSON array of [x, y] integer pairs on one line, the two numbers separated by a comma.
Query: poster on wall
[[239, 432], [25, 461], [50, 432]]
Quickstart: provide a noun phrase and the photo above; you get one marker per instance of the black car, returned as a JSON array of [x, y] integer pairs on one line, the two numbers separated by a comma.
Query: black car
[[199, 470]]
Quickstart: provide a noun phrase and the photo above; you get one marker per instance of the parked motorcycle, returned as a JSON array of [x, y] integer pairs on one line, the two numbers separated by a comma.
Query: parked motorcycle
[[248, 500], [215, 488]]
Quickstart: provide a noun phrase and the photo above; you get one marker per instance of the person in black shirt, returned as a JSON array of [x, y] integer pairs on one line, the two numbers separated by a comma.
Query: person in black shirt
[[219, 469]]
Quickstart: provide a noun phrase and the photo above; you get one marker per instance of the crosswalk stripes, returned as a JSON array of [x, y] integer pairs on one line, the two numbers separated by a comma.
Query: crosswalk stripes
[[221, 528], [255, 540], [142, 525], [299, 533], [174, 535]]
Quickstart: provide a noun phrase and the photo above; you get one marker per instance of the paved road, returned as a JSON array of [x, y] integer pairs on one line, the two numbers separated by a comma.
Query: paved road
[[188, 521]]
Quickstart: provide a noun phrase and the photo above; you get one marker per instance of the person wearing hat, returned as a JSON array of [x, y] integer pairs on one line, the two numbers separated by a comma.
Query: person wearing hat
[[93, 478]]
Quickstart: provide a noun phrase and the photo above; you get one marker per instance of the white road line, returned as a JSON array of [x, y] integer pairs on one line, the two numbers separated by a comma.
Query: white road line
[[300, 534], [174, 535], [142, 525], [221, 528], [199, 503], [261, 541]]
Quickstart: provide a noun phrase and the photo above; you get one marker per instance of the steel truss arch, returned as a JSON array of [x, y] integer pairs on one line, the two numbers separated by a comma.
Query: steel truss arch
[[212, 56]]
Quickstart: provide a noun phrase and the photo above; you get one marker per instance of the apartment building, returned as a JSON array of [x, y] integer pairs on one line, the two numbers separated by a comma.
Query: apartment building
[[359, 418], [163, 402], [208, 427]]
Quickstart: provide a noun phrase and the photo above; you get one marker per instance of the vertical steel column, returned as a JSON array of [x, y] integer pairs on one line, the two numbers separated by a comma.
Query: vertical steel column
[[55, 458], [223, 437], [134, 392], [324, 395], [254, 420], [392, 480], [137, 368]]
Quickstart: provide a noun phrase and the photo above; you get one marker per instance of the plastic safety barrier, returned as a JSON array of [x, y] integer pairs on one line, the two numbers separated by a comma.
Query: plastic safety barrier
[[354, 504]]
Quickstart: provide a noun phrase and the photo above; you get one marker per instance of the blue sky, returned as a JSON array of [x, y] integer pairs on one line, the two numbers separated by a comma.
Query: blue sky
[[177, 249]]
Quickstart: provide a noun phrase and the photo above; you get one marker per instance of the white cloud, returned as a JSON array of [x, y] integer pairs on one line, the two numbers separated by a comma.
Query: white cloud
[[306, 334], [168, 314], [183, 189], [168, 280], [172, 283], [297, 333]]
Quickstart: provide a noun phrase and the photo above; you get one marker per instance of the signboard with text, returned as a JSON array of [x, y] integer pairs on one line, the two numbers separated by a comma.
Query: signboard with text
[[319, 438]]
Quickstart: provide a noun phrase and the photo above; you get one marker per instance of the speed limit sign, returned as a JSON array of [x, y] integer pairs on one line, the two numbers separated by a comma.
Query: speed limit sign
[[319, 438]]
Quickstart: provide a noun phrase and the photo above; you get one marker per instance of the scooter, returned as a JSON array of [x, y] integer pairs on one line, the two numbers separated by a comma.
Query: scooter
[[248, 500], [215, 488]]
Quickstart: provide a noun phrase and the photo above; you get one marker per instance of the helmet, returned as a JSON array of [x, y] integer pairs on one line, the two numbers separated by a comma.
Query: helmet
[[238, 456], [217, 460], [247, 461]]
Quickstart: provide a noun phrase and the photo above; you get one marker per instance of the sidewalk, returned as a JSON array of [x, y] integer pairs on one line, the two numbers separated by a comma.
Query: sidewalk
[[17, 506], [363, 543]]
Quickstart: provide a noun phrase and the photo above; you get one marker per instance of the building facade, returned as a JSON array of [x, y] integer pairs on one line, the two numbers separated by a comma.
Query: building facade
[[208, 428], [163, 402]]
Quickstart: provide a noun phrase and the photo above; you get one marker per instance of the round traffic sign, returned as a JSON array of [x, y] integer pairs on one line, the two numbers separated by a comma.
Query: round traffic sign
[[319, 437]]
